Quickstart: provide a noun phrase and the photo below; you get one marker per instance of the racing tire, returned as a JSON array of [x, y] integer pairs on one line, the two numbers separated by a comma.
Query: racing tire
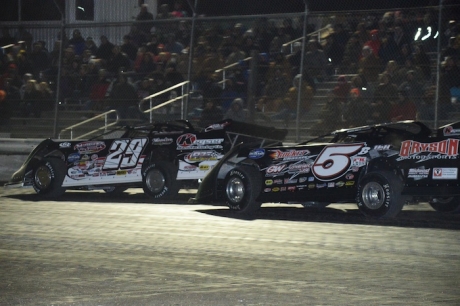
[[242, 187], [159, 180], [379, 195], [48, 176], [446, 205]]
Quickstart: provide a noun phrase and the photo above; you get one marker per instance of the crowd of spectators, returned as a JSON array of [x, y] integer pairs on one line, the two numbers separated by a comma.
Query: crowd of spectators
[[385, 71]]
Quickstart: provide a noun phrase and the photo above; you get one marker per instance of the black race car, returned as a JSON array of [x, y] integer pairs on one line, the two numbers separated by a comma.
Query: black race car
[[160, 157], [381, 167]]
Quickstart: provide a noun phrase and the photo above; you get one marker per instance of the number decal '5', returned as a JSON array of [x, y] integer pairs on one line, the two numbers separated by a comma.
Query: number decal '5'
[[124, 153], [334, 161]]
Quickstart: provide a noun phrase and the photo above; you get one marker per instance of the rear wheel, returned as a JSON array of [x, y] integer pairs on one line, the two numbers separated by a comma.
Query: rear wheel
[[446, 205], [379, 195], [242, 187], [48, 176], [159, 180]]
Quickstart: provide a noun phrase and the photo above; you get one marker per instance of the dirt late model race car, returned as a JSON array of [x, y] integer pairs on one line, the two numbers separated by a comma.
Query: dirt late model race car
[[381, 167], [159, 157]]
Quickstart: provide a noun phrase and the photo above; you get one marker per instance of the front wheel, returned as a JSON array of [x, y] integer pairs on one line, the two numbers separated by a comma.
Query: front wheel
[[159, 180], [242, 187], [48, 176], [379, 195], [446, 205]]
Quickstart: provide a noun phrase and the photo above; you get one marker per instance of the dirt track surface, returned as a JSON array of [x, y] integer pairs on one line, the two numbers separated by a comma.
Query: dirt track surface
[[90, 249]]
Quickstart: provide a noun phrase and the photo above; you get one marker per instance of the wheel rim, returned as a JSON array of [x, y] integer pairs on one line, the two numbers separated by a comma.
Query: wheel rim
[[43, 177], [155, 180], [235, 190], [373, 195], [443, 200]]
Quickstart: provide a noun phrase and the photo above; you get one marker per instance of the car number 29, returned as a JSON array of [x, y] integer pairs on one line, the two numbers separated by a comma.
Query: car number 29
[[334, 161], [124, 153]]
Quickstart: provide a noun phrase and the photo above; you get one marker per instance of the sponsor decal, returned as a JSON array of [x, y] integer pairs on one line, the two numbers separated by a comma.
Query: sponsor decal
[[216, 126], [65, 145], [321, 185], [274, 170], [204, 167], [358, 161], [291, 188], [382, 147], [311, 186], [418, 173], [200, 156], [283, 189], [189, 141], [121, 172], [89, 147], [299, 168], [162, 141], [450, 131], [267, 190], [350, 176], [340, 184], [290, 181], [256, 153], [74, 157], [349, 183], [446, 149], [189, 167], [289, 155], [275, 189], [268, 182], [278, 181], [311, 179], [302, 179], [330, 185], [445, 173]]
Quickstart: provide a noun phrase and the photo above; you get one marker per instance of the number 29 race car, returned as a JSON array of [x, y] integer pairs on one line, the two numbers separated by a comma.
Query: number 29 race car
[[161, 158], [381, 167]]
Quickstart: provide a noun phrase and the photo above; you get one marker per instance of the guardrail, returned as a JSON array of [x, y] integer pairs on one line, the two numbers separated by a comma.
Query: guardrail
[[224, 70], [97, 117], [151, 97]]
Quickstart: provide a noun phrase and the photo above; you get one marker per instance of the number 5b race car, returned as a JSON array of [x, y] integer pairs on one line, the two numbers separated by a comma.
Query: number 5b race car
[[161, 158], [381, 167]]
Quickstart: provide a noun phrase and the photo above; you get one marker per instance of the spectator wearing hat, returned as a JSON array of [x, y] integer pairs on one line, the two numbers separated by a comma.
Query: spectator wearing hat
[[236, 111], [374, 43], [404, 108]]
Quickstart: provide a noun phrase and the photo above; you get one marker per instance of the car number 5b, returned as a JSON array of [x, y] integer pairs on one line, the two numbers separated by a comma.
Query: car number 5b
[[334, 161], [124, 153]]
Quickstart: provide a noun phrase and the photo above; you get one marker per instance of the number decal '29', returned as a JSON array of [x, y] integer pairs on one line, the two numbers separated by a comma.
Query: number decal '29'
[[124, 153], [334, 161]]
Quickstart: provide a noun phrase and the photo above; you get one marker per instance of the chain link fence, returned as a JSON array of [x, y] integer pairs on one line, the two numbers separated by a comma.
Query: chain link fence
[[352, 69]]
